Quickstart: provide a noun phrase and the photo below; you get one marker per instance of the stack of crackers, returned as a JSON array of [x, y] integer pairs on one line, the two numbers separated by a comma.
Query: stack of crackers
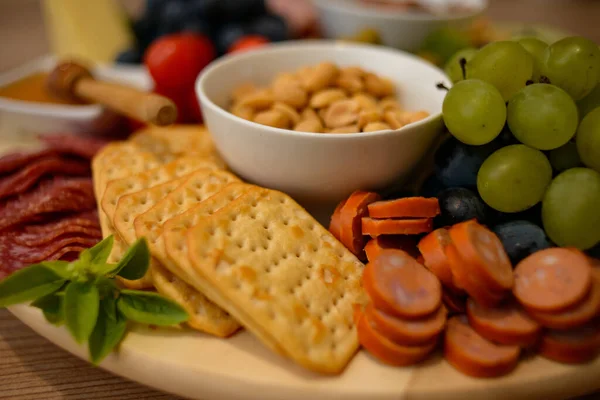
[[232, 254]]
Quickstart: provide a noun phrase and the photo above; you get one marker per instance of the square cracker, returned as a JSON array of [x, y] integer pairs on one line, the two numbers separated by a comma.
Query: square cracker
[[204, 314], [282, 275]]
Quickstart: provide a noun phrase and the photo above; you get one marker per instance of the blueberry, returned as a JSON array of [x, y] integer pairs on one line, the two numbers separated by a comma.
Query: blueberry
[[457, 164], [227, 35], [209, 11], [129, 56], [521, 238], [154, 10], [242, 10], [196, 25], [144, 30], [271, 26], [460, 204], [173, 15], [431, 187]]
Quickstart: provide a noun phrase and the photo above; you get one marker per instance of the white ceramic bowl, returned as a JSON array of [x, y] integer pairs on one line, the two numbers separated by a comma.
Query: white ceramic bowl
[[401, 30], [23, 119], [317, 167]]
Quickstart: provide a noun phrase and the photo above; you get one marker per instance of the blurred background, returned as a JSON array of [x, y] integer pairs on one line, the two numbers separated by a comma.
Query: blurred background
[[25, 34]]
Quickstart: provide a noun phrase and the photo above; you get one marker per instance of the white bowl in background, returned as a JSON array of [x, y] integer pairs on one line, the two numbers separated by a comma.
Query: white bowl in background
[[318, 168], [25, 120], [401, 30]]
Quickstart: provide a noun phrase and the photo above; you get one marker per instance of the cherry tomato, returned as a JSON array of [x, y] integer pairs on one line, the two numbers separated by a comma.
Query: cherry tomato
[[193, 106], [248, 42], [174, 61]]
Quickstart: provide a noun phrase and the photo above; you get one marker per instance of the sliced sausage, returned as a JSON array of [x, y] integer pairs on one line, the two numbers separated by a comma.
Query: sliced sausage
[[455, 303], [351, 214], [433, 248], [576, 346], [376, 245], [552, 279], [484, 253], [398, 285], [335, 222], [387, 351], [574, 316], [408, 207], [505, 324], [376, 227], [407, 332], [473, 355]]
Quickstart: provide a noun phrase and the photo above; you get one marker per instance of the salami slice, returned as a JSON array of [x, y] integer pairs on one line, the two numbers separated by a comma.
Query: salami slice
[[57, 195], [82, 146], [21, 181], [14, 161], [81, 219]]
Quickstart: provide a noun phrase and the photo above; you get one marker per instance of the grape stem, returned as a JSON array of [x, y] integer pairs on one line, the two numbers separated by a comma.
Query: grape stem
[[529, 82], [463, 67], [544, 79], [442, 86]]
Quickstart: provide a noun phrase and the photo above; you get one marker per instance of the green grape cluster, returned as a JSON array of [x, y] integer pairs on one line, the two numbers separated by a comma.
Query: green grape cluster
[[547, 97]]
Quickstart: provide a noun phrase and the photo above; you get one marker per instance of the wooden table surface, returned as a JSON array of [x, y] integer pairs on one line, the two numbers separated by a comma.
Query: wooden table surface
[[33, 368]]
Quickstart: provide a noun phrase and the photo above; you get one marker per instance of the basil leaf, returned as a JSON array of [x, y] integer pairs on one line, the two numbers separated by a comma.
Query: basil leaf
[[105, 269], [108, 332], [62, 268], [81, 305], [135, 262], [150, 308], [100, 252], [28, 284], [51, 306]]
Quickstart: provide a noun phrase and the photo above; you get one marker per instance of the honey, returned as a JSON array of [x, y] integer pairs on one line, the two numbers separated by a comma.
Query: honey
[[32, 88]]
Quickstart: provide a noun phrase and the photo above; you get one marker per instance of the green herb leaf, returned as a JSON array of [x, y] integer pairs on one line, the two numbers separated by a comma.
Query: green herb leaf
[[51, 306], [135, 262], [150, 308], [28, 284], [81, 305], [100, 252], [62, 268], [108, 332]]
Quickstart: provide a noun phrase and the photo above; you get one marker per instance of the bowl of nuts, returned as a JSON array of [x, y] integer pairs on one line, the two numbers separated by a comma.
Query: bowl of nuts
[[319, 119]]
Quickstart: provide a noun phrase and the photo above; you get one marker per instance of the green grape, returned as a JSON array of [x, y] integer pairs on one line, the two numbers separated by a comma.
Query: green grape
[[504, 64], [444, 42], [588, 140], [573, 64], [536, 48], [570, 209], [565, 157], [453, 68], [542, 116], [514, 178], [474, 112], [589, 102]]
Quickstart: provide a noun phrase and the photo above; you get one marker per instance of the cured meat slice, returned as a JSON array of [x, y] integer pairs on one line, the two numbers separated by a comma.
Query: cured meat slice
[[81, 219], [12, 162], [57, 195], [22, 180], [81, 146]]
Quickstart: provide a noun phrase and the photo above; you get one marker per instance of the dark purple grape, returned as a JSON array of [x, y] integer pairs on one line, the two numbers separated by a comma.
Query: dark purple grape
[[271, 26], [227, 35], [242, 10], [209, 11], [174, 13], [431, 187], [521, 238], [130, 56], [460, 204], [196, 25]]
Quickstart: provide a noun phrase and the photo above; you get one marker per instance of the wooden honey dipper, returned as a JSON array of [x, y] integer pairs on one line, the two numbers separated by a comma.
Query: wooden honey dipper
[[74, 82]]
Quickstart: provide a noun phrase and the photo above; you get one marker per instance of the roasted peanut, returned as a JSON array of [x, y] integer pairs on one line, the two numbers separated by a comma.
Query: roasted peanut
[[290, 94], [417, 116], [376, 126], [243, 90], [346, 129], [379, 87], [286, 78], [365, 101], [244, 112], [322, 113], [352, 71], [273, 118], [258, 100], [389, 103], [325, 97], [341, 113], [367, 116], [323, 75], [291, 113], [309, 125], [309, 113], [350, 83], [393, 119]]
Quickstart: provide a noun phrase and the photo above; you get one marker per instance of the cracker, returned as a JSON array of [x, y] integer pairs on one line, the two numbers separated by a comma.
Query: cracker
[[204, 314], [283, 276], [117, 188], [177, 140]]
